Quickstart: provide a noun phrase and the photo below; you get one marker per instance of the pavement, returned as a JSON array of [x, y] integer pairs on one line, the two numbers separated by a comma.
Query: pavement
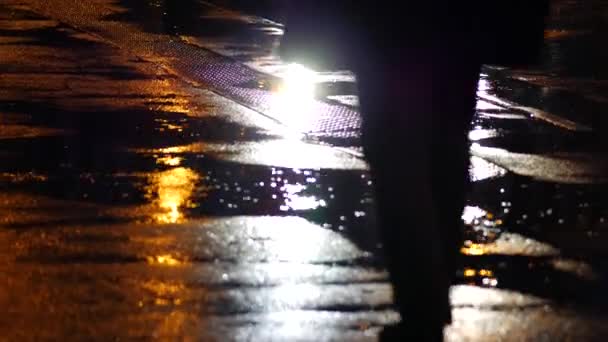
[[159, 182]]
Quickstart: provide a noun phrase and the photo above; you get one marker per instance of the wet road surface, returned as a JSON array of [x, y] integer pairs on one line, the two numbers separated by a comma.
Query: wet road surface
[[157, 183]]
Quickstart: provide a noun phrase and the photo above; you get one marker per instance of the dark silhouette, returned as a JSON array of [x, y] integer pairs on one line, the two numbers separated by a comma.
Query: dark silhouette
[[417, 68]]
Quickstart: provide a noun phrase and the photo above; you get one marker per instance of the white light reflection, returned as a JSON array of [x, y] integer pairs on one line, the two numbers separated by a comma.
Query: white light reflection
[[294, 259], [291, 153], [472, 214], [486, 106], [479, 134], [291, 247], [294, 239], [483, 85], [294, 100], [480, 169], [294, 201], [483, 89], [298, 83], [471, 296]]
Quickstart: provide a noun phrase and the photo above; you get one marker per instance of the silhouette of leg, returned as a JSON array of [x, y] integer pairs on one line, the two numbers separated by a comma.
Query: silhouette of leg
[[454, 106], [414, 135], [397, 136]]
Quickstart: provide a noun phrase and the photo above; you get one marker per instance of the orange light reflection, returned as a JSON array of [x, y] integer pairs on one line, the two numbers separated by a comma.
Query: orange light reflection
[[172, 191]]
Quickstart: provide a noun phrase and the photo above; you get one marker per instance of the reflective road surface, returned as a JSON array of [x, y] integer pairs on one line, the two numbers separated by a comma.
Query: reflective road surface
[[165, 176]]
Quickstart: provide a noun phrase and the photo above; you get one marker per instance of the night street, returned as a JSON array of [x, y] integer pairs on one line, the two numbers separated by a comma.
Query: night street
[[165, 176]]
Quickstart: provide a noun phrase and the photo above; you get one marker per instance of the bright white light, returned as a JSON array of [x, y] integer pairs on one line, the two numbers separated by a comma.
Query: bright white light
[[296, 202], [483, 85], [298, 83], [471, 214], [481, 169], [294, 100]]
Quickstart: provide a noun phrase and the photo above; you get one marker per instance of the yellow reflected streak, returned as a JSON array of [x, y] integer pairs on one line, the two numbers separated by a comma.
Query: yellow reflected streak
[[166, 259], [470, 273], [169, 161], [173, 190], [180, 149], [473, 249], [486, 273]]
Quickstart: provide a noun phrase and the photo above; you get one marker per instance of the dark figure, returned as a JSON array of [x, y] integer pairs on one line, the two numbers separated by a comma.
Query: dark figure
[[417, 69]]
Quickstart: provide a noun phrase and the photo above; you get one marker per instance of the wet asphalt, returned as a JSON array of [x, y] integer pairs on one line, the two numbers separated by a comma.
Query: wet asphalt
[[156, 186]]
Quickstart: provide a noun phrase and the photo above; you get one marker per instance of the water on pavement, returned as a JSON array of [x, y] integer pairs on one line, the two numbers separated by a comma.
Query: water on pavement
[[140, 201]]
